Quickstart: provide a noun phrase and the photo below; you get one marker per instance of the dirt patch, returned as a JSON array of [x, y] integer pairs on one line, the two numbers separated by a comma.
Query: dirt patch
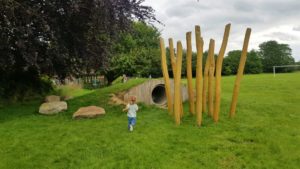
[[117, 99]]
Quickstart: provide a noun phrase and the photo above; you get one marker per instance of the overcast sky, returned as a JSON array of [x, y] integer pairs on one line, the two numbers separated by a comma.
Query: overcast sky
[[269, 19]]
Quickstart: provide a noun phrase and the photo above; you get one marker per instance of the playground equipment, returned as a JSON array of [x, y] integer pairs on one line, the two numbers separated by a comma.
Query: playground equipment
[[206, 81], [152, 92]]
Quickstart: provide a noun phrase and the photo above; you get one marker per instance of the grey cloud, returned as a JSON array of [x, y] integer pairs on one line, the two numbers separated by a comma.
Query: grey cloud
[[280, 7], [260, 15], [185, 9], [282, 36], [214, 12], [266, 13], [244, 6], [296, 28], [245, 19]]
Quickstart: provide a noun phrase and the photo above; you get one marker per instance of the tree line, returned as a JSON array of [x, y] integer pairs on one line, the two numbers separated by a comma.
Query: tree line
[[139, 56], [269, 54]]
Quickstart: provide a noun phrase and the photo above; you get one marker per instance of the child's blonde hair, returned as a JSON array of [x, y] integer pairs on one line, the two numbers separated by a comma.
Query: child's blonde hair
[[133, 99]]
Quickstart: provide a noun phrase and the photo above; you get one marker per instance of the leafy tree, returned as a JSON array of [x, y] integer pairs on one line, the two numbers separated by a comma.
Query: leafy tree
[[274, 54], [226, 70], [137, 53], [253, 63], [61, 37], [232, 60]]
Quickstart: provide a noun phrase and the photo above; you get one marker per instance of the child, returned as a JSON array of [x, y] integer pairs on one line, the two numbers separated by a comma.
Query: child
[[131, 109]]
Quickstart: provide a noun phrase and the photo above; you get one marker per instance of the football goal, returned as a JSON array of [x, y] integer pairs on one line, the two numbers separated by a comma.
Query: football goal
[[283, 66]]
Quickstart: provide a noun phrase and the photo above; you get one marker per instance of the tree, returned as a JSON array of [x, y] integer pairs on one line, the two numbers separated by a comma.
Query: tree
[[253, 63], [136, 53], [273, 53], [232, 60], [61, 38]]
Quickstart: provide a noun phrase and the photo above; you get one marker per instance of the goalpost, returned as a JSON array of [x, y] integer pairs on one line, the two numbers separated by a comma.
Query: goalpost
[[274, 67]]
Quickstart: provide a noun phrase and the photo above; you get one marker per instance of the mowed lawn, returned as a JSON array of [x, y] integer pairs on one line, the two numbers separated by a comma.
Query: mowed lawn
[[264, 134]]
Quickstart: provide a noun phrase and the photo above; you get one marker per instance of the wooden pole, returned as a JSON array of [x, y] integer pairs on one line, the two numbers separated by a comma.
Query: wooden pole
[[189, 73], [240, 73], [211, 77], [199, 77], [172, 56], [166, 75], [205, 84], [173, 63], [219, 73], [181, 105], [177, 84]]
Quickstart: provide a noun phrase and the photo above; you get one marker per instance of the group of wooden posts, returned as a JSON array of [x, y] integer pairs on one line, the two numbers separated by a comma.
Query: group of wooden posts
[[204, 80]]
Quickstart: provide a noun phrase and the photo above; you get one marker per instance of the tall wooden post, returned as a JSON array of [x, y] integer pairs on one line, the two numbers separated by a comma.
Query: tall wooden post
[[199, 77], [177, 84], [240, 73], [173, 63], [205, 84], [189, 73], [218, 73], [211, 77], [172, 56], [166, 75]]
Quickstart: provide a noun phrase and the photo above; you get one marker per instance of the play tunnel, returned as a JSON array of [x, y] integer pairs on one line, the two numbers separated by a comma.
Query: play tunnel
[[152, 92]]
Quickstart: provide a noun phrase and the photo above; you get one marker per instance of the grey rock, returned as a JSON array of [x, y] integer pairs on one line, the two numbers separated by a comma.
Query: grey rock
[[88, 112], [53, 107]]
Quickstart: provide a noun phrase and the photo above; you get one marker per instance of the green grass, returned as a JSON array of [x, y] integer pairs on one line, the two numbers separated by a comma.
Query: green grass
[[264, 134], [71, 91]]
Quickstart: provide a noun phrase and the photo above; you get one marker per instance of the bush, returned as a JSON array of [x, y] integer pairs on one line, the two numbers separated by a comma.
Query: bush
[[232, 60], [24, 85], [227, 70], [117, 80]]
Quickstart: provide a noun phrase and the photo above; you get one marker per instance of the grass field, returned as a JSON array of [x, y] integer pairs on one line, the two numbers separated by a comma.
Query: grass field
[[264, 134]]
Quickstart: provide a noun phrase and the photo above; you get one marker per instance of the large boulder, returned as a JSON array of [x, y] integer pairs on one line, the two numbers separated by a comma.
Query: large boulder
[[52, 98], [88, 112], [53, 107]]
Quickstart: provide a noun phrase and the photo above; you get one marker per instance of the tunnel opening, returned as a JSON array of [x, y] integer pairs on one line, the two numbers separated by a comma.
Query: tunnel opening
[[159, 94]]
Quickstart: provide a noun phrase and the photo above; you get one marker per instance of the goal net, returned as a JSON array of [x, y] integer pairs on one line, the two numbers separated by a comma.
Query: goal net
[[285, 68]]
